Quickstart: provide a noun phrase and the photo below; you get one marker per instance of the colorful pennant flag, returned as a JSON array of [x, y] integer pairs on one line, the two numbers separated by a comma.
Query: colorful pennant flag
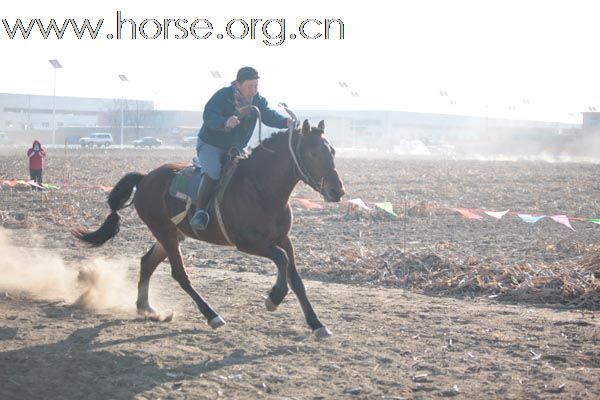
[[104, 188], [530, 219], [308, 204], [34, 184], [9, 182], [49, 186], [359, 203], [20, 184], [562, 219], [465, 212], [387, 207], [496, 214]]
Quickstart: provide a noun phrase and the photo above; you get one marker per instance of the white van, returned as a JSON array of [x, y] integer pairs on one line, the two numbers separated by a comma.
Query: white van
[[97, 139]]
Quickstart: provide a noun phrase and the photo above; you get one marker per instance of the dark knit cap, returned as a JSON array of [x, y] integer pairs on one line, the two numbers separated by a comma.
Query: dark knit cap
[[246, 74]]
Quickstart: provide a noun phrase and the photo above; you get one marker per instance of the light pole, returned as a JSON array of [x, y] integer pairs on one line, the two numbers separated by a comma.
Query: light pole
[[123, 78], [55, 64]]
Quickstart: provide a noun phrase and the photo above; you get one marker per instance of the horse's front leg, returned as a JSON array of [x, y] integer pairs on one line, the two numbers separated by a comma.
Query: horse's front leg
[[297, 286]]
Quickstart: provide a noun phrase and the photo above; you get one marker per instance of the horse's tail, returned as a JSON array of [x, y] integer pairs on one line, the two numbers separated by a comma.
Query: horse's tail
[[116, 200]]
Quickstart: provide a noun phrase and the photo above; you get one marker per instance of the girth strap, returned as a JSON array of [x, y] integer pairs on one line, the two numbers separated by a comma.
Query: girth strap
[[220, 221]]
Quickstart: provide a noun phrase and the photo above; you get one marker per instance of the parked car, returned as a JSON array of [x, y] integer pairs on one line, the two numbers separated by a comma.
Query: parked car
[[189, 141], [97, 139], [147, 141]]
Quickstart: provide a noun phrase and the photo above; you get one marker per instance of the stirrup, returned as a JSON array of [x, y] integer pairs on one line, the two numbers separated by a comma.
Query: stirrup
[[199, 221]]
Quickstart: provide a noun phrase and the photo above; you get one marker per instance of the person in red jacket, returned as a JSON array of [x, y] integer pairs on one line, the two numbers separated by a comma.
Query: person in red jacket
[[36, 156]]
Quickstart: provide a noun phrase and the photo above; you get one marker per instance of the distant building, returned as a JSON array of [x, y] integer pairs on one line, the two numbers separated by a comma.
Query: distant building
[[22, 112], [591, 123]]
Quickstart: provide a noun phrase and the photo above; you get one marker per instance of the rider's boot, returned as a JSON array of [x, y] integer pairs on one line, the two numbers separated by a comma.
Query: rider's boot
[[200, 220]]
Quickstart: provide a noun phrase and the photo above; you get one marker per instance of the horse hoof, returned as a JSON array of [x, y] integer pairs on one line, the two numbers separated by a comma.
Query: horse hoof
[[216, 322], [146, 311], [322, 333], [150, 315], [270, 305]]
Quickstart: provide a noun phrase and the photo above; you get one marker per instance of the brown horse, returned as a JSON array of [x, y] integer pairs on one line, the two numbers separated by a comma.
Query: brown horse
[[254, 211]]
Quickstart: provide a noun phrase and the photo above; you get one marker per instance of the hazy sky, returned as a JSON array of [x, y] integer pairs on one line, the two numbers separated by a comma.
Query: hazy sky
[[519, 59]]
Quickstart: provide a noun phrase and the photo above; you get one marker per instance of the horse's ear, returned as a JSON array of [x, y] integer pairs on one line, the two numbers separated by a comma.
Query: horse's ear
[[306, 127], [321, 125]]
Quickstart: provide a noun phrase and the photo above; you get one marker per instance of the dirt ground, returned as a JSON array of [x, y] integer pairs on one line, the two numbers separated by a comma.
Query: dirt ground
[[424, 305]]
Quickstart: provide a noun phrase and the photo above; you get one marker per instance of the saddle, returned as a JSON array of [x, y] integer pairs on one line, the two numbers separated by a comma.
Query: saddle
[[184, 185]]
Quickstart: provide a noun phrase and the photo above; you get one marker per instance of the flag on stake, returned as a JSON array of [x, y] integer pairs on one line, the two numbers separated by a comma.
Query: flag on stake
[[465, 212], [562, 219], [308, 204], [497, 214], [530, 219], [387, 207], [594, 220], [360, 203]]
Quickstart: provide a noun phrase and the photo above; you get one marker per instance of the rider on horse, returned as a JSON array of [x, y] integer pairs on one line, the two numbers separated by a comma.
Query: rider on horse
[[229, 120]]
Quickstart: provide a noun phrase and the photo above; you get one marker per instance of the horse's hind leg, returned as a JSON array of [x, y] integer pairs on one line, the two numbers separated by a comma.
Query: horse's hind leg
[[171, 245], [280, 289], [149, 262], [297, 286]]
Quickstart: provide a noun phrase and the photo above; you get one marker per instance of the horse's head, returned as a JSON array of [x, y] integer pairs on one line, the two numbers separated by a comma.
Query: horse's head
[[315, 160]]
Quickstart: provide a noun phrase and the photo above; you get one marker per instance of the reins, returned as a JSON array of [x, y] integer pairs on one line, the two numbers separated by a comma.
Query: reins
[[259, 117], [259, 123]]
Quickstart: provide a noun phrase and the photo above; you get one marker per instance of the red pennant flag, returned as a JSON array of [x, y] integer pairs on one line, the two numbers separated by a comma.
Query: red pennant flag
[[465, 212], [104, 188], [9, 182], [308, 204]]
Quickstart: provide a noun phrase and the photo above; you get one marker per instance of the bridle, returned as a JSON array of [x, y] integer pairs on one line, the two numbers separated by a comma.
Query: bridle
[[304, 175], [301, 171]]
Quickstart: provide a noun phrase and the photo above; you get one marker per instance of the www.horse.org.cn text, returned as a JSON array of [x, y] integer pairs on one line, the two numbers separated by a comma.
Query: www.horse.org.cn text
[[271, 32]]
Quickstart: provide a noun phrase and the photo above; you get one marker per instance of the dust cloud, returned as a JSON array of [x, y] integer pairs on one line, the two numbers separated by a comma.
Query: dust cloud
[[43, 275], [455, 137]]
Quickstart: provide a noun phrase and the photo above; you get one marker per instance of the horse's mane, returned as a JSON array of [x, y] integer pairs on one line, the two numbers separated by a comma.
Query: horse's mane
[[267, 144], [271, 139], [257, 157]]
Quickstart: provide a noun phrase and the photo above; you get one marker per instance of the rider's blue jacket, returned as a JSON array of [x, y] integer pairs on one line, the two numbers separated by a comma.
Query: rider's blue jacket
[[221, 106]]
